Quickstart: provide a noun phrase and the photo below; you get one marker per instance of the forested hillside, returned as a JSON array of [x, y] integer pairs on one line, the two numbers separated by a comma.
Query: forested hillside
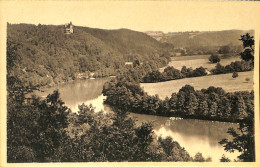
[[45, 55], [200, 39]]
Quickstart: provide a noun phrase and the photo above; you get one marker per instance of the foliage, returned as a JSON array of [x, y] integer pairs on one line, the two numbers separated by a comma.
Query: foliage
[[234, 75], [243, 140], [36, 128], [214, 58], [199, 158], [224, 49], [248, 44], [237, 66], [247, 56], [224, 159], [172, 154], [44, 130], [211, 104], [170, 73], [43, 55]]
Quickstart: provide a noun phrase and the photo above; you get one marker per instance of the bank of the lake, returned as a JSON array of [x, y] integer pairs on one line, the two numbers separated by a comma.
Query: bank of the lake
[[194, 135], [79, 91]]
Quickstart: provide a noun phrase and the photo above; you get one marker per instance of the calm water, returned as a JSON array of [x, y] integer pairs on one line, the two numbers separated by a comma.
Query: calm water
[[194, 135]]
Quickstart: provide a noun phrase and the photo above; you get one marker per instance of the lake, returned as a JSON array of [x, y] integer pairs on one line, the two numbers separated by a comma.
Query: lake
[[194, 135]]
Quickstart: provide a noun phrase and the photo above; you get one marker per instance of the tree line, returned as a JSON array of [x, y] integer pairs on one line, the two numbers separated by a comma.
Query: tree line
[[171, 73], [237, 66], [210, 104]]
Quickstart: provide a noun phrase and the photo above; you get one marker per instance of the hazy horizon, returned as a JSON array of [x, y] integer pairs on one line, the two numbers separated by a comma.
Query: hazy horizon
[[135, 30], [138, 15]]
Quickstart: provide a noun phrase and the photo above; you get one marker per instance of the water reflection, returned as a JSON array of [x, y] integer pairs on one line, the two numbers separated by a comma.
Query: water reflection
[[194, 135], [80, 91]]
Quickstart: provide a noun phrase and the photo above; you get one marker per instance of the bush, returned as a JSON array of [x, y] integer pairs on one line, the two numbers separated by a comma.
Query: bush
[[199, 72], [234, 75], [219, 69], [214, 58]]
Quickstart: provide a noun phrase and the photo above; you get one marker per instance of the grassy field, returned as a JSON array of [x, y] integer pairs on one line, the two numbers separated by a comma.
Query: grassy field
[[197, 61], [225, 81]]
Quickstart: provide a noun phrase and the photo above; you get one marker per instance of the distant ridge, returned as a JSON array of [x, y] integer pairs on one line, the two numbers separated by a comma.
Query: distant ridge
[[197, 38]]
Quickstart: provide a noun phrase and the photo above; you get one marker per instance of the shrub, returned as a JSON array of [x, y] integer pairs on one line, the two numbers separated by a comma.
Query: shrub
[[234, 75], [219, 69], [214, 58]]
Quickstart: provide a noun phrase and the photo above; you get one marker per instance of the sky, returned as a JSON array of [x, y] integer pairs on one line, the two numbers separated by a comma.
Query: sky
[[166, 16]]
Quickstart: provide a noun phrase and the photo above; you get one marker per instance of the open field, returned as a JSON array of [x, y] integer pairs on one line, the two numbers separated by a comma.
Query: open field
[[197, 61], [225, 81]]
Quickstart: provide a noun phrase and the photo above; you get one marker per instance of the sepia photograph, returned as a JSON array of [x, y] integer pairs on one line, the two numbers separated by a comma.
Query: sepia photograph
[[125, 82]]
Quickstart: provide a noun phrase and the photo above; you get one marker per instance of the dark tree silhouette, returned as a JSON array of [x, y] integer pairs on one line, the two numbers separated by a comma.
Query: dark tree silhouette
[[248, 44], [224, 159], [214, 58], [243, 141], [234, 75]]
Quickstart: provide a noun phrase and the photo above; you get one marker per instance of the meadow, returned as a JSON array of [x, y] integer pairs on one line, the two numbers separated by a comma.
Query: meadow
[[225, 81], [196, 61]]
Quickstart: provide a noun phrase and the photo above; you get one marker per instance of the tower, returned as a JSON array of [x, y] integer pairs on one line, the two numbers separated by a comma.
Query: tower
[[68, 28]]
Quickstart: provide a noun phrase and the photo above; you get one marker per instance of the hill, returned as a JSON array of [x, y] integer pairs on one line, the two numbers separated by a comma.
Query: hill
[[45, 55], [200, 39]]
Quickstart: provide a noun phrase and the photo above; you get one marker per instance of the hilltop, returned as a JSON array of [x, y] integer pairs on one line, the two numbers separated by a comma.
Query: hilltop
[[45, 55], [199, 39]]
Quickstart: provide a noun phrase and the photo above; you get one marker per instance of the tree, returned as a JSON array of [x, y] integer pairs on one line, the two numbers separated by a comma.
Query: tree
[[199, 158], [248, 44], [199, 72], [234, 75], [11, 56], [172, 73], [203, 109], [224, 49], [184, 71], [36, 128], [154, 76], [224, 159], [243, 141], [214, 58], [173, 150], [209, 159], [219, 69], [239, 108]]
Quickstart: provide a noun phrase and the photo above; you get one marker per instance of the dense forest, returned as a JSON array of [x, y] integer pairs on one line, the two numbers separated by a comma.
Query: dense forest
[[45, 130], [45, 55]]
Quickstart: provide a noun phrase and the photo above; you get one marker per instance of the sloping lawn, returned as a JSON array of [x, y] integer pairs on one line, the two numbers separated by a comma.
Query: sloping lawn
[[225, 81]]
